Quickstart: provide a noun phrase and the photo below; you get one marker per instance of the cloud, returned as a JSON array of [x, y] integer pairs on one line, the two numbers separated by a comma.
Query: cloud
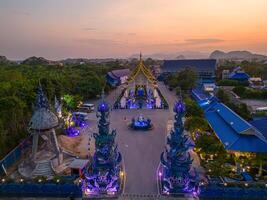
[[21, 12], [89, 29], [131, 33], [97, 41], [203, 41]]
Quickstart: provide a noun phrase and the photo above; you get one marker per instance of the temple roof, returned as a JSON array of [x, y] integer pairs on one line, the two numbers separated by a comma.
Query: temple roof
[[198, 64], [120, 72], [141, 68], [235, 133], [42, 119]]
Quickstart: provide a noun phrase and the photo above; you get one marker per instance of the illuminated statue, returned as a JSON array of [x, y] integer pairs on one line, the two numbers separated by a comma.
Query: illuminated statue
[[103, 174], [140, 123], [176, 177]]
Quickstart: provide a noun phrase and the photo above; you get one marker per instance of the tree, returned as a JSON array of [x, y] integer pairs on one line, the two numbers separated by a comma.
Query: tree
[[222, 96], [210, 144], [186, 79], [196, 123], [192, 109]]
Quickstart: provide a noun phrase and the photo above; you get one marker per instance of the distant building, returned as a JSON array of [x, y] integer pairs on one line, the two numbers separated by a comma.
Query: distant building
[[204, 67], [117, 77], [225, 74], [256, 82], [239, 75]]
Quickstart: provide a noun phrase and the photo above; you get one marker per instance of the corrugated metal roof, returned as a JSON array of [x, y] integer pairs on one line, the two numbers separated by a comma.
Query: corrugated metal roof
[[231, 134], [198, 64], [120, 72], [235, 133], [239, 75], [261, 125]]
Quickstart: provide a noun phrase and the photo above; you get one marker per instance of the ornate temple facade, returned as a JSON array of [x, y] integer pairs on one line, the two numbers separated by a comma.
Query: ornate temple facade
[[141, 90]]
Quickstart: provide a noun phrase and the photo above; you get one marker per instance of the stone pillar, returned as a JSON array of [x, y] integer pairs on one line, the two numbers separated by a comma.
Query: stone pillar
[[34, 144]]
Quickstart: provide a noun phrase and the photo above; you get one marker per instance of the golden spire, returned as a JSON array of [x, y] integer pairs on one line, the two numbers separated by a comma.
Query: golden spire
[[141, 68]]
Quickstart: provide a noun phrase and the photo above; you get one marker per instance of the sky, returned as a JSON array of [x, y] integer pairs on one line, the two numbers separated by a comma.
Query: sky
[[57, 29]]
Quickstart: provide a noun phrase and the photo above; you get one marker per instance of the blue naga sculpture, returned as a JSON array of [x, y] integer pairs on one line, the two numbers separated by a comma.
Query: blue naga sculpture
[[176, 160], [103, 174]]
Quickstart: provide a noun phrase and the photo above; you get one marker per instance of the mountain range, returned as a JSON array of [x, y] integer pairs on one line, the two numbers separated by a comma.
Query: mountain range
[[217, 54], [236, 55]]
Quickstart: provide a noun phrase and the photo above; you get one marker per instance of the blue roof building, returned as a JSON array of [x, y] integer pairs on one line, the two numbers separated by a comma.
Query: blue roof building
[[261, 125], [117, 77], [204, 67], [235, 133], [239, 75]]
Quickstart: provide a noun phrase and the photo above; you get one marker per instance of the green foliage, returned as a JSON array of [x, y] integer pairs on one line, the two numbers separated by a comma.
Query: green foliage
[[240, 109], [18, 85], [249, 93], [192, 108], [210, 144], [185, 79], [227, 82], [196, 123], [223, 96], [71, 101]]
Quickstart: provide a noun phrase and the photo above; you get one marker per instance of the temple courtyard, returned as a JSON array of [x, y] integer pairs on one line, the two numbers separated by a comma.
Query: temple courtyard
[[140, 149]]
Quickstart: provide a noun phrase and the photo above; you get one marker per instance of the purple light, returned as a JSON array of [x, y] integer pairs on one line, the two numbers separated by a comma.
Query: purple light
[[160, 174], [72, 132], [103, 107], [88, 191], [179, 107]]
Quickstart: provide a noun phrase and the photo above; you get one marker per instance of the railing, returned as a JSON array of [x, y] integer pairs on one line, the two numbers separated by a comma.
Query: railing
[[242, 193], [12, 157], [39, 190]]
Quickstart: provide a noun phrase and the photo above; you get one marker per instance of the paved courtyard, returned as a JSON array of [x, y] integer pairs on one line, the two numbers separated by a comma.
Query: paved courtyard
[[141, 150]]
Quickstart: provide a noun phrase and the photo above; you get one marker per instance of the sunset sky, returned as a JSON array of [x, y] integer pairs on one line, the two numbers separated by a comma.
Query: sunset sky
[[57, 29]]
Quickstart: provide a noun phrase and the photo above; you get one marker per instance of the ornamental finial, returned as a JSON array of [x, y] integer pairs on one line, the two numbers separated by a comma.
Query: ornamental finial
[[41, 99]]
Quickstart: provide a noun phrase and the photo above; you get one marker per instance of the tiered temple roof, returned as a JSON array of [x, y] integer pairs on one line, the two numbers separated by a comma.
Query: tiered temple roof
[[141, 68]]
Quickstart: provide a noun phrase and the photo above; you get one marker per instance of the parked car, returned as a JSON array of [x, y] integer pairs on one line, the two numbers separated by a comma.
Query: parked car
[[84, 109], [80, 115], [89, 106]]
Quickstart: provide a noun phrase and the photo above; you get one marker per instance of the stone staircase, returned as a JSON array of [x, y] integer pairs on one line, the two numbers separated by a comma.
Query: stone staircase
[[43, 168]]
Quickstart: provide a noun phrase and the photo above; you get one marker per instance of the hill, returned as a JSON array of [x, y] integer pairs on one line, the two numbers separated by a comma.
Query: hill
[[36, 61], [237, 55]]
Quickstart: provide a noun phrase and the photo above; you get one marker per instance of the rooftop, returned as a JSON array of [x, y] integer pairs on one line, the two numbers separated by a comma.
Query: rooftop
[[120, 72], [199, 64], [235, 133], [78, 163]]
